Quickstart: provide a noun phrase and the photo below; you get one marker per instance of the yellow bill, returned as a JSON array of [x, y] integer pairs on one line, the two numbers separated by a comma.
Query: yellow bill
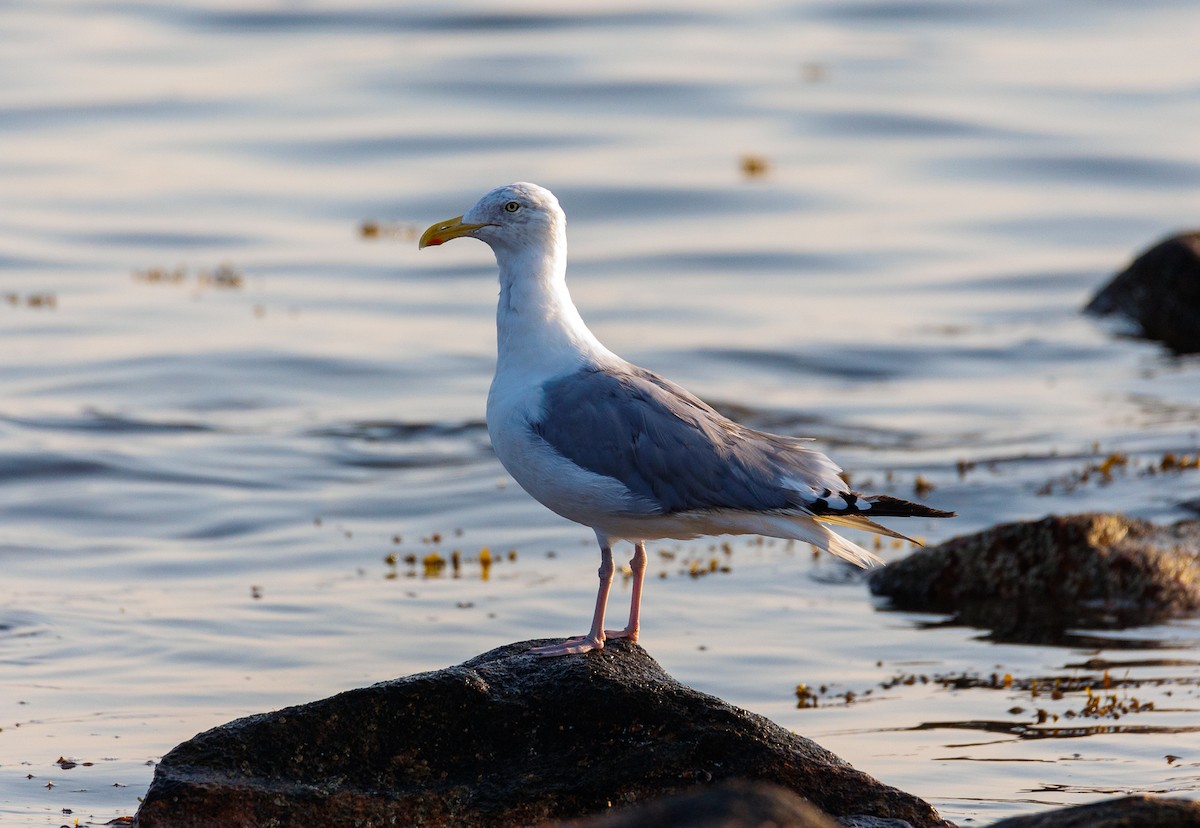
[[444, 231]]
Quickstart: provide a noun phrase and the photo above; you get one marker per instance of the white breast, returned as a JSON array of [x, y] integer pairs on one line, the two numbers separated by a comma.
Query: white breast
[[553, 480]]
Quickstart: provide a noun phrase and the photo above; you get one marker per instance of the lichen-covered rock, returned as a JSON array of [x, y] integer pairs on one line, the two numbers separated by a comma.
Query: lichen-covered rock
[[1032, 581], [1126, 812], [1160, 291], [504, 739]]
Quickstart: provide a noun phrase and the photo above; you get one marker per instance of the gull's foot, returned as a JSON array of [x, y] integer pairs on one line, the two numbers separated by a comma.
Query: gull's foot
[[632, 635], [572, 646]]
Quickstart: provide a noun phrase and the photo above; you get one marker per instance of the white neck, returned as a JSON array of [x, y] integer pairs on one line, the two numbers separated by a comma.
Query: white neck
[[538, 329]]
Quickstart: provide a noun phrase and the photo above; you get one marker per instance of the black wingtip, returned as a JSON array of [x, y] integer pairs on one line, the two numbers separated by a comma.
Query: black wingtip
[[888, 506]]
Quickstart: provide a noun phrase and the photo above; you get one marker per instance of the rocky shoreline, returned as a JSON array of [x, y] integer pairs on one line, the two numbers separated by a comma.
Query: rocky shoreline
[[609, 739], [606, 740]]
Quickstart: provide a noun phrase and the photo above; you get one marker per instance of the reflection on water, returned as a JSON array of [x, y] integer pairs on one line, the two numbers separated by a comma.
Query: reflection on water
[[239, 428]]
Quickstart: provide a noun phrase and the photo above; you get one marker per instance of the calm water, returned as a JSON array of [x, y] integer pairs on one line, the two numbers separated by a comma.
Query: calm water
[[222, 408]]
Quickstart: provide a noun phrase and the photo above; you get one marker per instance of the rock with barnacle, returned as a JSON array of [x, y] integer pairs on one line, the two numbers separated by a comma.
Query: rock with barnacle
[[1033, 581], [1160, 292], [503, 739]]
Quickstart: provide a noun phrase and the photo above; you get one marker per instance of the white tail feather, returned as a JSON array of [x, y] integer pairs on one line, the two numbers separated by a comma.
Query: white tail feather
[[852, 552], [684, 525], [820, 536]]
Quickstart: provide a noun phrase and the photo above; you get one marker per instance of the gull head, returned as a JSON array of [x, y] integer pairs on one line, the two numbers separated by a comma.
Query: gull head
[[509, 218]]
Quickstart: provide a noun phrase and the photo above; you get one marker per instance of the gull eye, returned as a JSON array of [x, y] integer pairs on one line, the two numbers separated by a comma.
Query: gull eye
[[512, 206]]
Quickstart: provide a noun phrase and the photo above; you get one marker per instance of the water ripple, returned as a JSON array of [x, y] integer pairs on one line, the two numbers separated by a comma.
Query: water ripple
[[577, 95], [1129, 171], [168, 239], [372, 21], [721, 262], [18, 468], [147, 110], [599, 202], [899, 125], [391, 431], [872, 364], [400, 445], [374, 148], [911, 11], [96, 421], [216, 380], [878, 364]]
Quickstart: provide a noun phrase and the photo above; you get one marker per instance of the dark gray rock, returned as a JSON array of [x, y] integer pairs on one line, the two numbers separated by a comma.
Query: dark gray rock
[[736, 804], [1160, 291], [1127, 812], [1032, 581], [503, 739]]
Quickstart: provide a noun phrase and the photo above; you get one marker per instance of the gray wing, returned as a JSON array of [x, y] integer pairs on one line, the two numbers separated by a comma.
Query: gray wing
[[669, 447]]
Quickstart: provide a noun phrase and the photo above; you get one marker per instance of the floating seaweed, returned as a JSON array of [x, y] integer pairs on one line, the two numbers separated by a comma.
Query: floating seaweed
[[754, 166], [223, 276], [42, 301], [373, 230], [1097, 696]]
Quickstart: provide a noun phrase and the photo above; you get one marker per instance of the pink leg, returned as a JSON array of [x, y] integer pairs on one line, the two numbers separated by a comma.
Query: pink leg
[[594, 640], [638, 564]]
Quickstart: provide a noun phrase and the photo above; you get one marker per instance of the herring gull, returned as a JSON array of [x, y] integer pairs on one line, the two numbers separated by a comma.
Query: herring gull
[[620, 449]]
